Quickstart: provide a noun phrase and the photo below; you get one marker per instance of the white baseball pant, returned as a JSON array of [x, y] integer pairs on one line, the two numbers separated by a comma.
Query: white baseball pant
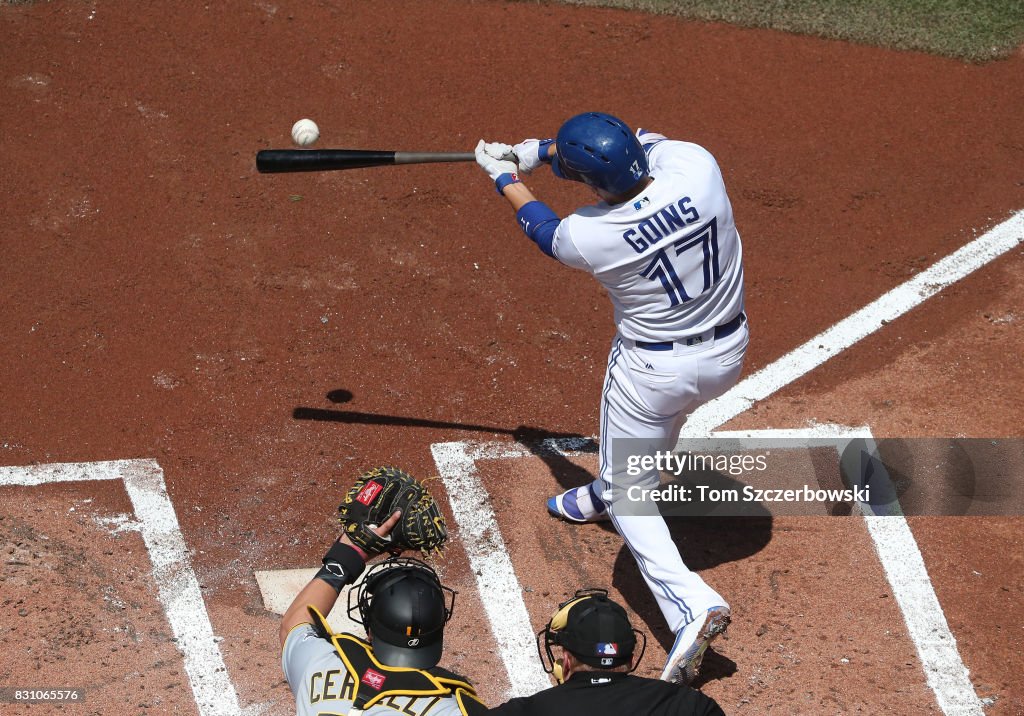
[[646, 398]]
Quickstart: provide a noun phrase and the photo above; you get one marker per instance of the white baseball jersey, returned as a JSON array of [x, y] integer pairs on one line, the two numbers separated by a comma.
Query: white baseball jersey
[[322, 685], [670, 258]]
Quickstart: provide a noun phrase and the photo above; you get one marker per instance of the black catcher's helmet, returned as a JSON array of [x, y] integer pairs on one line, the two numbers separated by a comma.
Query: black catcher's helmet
[[404, 607]]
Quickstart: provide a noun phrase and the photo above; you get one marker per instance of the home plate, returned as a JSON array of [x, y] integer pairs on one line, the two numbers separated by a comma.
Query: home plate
[[280, 586]]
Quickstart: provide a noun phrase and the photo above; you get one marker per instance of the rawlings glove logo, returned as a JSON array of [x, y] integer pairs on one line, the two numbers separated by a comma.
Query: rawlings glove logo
[[369, 493]]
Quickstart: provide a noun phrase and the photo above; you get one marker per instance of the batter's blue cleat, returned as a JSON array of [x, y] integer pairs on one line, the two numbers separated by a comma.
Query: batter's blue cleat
[[687, 653], [580, 504]]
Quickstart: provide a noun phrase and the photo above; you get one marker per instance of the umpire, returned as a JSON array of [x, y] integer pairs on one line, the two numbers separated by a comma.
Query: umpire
[[594, 646]]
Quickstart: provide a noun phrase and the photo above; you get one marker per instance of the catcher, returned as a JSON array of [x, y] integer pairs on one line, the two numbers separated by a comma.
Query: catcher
[[401, 603]]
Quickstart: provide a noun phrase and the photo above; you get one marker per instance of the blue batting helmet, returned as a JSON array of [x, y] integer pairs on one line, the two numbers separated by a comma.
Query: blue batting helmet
[[600, 150]]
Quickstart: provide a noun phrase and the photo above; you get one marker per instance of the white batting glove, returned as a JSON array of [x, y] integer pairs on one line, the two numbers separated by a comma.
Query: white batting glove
[[532, 153], [502, 171], [495, 150]]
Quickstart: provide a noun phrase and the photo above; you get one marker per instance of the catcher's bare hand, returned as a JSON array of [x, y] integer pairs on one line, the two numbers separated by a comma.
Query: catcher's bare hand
[[383, 531]]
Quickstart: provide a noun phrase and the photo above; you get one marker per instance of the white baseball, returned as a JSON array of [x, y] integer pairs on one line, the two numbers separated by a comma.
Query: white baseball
[[305, 132]]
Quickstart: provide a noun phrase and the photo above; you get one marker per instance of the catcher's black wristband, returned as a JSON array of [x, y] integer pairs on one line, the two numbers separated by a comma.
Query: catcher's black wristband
[[342, 565]]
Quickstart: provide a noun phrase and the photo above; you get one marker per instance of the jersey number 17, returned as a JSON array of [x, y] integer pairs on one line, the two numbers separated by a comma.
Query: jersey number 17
[[701, 245]]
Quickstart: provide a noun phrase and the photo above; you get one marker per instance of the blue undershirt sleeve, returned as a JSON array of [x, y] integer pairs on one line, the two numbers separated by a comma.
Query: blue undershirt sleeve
[[539, 222]]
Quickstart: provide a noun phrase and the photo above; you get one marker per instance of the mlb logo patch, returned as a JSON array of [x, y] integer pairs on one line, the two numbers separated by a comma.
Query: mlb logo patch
[[638, 205], [609, 649], [369, 493], [373, 679]]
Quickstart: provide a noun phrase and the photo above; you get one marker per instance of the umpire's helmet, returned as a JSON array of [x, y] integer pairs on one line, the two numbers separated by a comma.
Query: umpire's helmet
[[404, 607], [595, 629], [600, 150]]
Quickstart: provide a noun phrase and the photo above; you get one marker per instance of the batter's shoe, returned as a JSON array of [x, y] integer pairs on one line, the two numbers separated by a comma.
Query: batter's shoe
[[580, 504], [688, 652]]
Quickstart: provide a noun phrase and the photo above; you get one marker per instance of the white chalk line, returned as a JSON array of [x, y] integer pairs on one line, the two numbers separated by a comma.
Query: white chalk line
[[177, 586], [904, 567], [489, 560], [802, 360], [944, 669], [897, 550]]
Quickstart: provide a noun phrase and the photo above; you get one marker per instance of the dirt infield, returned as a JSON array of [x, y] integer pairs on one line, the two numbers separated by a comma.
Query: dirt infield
[[79, 606], [264, 338]]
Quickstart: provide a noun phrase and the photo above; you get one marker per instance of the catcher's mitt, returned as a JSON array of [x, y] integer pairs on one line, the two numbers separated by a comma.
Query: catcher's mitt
[[374, 498]]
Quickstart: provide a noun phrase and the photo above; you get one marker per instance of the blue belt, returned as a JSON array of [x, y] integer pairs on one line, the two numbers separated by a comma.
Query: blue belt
[[726, 329]]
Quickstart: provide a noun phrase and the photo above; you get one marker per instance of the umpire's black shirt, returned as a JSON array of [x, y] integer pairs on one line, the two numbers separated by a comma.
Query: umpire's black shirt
[[609, 693]]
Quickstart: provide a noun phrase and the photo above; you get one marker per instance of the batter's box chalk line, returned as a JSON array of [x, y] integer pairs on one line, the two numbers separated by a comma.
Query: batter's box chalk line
[[489, 560], [177, 587]]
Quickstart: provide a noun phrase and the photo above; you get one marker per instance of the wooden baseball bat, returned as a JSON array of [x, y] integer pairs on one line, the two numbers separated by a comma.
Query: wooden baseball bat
[[271, 161]]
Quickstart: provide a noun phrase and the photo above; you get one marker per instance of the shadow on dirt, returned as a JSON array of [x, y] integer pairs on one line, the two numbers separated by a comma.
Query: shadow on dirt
[[533, 438]]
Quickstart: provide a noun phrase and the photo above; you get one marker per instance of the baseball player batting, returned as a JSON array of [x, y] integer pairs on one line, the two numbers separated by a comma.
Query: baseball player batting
[[662, 240]]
